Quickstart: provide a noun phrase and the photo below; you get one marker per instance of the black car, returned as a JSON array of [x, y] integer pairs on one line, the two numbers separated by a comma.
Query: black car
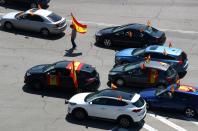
[[32, 3], [132, 35], [143, 74], [58, 75]]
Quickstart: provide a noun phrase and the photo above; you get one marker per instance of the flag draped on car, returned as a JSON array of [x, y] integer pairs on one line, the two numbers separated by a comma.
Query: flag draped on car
[[73, 75], [81, 28]]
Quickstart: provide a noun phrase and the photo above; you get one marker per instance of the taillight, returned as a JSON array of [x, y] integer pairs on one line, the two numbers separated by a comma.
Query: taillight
[[180, 62], [136, 110], [168, 79]]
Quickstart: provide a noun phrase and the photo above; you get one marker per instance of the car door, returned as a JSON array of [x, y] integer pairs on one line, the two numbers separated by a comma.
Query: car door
[[138, 76], [52, 79], [66, 81], [98, 107], [119, 38], [36, 22], [22, 22]]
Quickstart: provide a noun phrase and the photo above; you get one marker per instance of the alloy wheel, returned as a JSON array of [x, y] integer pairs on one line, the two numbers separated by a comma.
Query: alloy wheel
[[190, 112], [124, 122], [107, 42]]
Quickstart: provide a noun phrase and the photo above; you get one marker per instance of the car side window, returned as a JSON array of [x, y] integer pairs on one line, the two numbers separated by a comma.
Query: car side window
[[113, 102], [129, 34], [52, 72], [100, 101], [119, 33], [34, 18], [152, 55], [166, 94], [65, 72], [138, 72]]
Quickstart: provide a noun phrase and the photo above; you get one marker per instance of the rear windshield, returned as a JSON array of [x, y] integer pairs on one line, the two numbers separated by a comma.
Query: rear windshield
[[150, 30], [138, 51], [139, 103], [170, 72], [54, 17]]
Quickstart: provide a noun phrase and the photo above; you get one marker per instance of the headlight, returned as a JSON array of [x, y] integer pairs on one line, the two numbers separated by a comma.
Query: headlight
[[112, 73], [98, 33], [28, 74], [71, 103]]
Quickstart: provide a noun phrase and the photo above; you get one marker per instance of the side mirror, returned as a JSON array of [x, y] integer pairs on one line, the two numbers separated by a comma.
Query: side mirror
[[90, 102]]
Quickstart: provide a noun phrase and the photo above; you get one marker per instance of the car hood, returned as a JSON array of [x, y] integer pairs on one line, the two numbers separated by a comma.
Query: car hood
[[117, 69], [106, 30], [37, 69], [125, 52], [10, 15], [79, 98], [148, 93]]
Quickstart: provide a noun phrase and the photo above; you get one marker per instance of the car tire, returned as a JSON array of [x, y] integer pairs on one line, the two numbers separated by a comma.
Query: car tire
[[79, 114], [190, 112], [119, 82], [107, 42], [8, 25], [33, 5], [125, 121], [2, 2], [44, 32]]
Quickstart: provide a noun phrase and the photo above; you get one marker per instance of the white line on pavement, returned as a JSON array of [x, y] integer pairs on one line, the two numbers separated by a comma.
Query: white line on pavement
[[149, 128], [166, 30], [194, 121], [165, 121]]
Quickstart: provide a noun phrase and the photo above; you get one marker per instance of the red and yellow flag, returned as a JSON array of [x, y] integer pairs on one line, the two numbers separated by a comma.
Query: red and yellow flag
[[73, 75], [81, 28]]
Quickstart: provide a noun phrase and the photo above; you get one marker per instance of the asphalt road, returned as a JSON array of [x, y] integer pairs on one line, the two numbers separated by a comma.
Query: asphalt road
[[25, 110]]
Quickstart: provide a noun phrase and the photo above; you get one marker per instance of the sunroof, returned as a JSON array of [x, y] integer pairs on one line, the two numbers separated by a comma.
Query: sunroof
[[153, 48]]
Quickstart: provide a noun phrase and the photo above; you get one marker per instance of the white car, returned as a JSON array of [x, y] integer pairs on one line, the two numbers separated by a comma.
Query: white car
[[124, 107], [39, 20]]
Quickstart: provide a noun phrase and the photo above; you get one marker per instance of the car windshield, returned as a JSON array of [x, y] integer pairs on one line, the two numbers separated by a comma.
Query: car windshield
[[150, 30], [120, 28], [91, 96], [129, 66], [138, 51], [54, 17], [48, 67], [19, 14]]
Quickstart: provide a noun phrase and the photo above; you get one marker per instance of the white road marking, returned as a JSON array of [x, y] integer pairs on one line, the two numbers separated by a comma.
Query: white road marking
[[149, 128], [165, 121], [166, 30], [194, 121], [106, 24]]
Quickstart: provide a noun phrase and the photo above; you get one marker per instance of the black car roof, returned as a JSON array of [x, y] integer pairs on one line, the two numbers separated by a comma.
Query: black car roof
[[135, 26], [65, 63], [152, 64], [116, 94]]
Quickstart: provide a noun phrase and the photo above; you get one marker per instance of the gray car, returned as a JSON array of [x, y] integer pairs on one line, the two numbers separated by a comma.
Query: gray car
[[38, 20]]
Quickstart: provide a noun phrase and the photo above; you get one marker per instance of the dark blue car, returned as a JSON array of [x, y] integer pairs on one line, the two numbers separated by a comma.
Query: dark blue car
[[173, 56], [180, 98]]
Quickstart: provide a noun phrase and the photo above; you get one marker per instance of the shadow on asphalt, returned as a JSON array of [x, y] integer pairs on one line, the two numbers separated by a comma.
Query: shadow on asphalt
[[29, 34], [115, 48], [63, 94], [18, 6], [168, 114], [102, 124], [71, 53]]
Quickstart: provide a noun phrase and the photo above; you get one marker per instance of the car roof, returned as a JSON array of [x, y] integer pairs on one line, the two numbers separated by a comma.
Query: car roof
[[151, 64], [40, 12], [116, 94], [135, 26], [65, 63], [161, 49]]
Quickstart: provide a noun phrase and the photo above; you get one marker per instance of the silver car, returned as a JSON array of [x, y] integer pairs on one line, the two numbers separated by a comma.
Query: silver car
[[38, 20]]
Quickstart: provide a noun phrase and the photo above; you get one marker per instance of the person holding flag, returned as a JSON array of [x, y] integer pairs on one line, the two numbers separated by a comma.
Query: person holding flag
[[76, 27]]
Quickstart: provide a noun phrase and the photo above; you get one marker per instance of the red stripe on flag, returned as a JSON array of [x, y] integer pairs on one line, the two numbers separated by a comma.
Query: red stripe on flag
[[79, 67], [76, 22]]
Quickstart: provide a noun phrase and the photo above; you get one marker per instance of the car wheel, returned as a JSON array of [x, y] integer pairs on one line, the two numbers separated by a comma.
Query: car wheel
[[125, 121], [119, 82], [107, 42], [8, 26], [79, 114], [2, 2], [45, 32], [190, 112], [33, 5]]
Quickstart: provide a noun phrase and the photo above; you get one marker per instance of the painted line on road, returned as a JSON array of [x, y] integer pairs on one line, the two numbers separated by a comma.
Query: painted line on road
[[149, 128], [166, 30], [106, 24], [165, 121], [194, 121]]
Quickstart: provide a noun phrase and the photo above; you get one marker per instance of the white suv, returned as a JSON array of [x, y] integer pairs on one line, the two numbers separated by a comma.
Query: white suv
[[124, 107]]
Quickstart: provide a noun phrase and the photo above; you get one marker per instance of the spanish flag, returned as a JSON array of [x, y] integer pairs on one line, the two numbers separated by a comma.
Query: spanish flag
[[78, 26], [73, 75]]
